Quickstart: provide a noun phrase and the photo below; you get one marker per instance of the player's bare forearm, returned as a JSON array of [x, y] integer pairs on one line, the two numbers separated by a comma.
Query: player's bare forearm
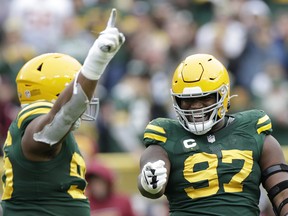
[[72, 102], [87, 85], [82, 88]]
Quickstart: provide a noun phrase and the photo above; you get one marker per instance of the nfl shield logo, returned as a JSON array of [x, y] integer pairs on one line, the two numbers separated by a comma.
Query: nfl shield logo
[[211, 138]]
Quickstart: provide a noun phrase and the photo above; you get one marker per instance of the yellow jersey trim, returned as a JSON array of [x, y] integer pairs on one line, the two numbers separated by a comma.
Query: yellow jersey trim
[[8, 140], [35, 104], [263, 119], [156, 128], [264, 128], [32, 112], [155, 137]]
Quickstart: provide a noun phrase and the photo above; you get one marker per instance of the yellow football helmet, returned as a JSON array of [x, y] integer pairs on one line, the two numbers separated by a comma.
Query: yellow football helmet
[[45, 77], [200, 75]]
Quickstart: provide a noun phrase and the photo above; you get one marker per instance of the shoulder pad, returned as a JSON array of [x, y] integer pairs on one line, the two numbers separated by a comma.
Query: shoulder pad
[[263, 124], [155, 131], [258, 120], [32, 110]]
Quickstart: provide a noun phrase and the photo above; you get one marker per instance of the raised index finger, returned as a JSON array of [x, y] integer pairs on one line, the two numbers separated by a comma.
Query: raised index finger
[[112, 19]]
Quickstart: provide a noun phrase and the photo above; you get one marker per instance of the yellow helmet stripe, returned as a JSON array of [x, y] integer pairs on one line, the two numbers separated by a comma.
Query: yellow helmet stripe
[[156, 128], [155, 137], [32, 112], [264, 128], [263, 119]]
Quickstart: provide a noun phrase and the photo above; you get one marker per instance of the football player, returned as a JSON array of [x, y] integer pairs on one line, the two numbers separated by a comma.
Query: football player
[[209, 162], [44, 172]]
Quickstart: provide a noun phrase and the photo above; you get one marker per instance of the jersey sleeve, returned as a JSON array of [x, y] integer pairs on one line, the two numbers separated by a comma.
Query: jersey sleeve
[[155, 133], [30, 112], [263, 124]]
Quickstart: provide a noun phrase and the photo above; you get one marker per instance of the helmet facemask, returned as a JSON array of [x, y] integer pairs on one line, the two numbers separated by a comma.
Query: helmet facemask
[[199, 76], [92, 110], [200, 121]]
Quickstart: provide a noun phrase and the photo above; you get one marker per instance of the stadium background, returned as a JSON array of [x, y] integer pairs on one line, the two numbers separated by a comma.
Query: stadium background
[[250, 37]]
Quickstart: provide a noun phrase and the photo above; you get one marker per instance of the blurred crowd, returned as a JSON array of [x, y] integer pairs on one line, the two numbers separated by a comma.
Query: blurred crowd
[[249, 36]]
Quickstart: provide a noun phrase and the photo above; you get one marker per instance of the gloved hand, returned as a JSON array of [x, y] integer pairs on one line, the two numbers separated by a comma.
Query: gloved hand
[[103, 49], [153, 176]]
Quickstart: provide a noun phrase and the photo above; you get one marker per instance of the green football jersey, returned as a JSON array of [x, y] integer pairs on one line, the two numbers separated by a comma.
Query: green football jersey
[[52, 188], [213, 174]]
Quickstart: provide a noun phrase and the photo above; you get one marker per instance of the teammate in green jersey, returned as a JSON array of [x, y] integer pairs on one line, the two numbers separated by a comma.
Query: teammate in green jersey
[[209, 162], [44, 172]]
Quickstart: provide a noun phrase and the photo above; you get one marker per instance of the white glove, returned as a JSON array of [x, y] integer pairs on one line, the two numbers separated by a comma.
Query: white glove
[[153, 176], [103, 49]]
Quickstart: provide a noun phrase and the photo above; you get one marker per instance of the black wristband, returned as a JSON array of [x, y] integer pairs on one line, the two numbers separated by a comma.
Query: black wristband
[[282, 204]]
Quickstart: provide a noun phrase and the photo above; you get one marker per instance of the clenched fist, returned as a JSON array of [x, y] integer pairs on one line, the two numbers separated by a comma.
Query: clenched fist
[[153, 176]]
